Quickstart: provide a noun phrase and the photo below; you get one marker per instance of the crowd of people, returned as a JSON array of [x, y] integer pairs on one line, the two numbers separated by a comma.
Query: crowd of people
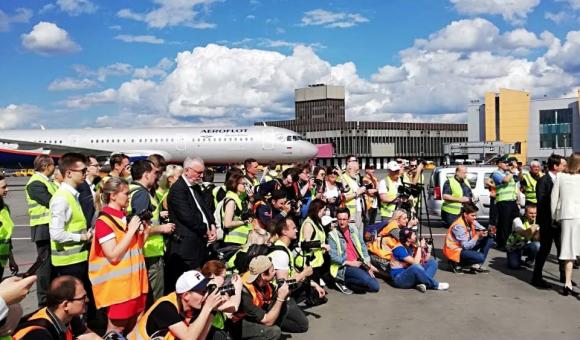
[[157, 250]]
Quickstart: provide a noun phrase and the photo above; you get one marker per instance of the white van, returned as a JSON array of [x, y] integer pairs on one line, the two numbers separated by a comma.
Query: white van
[[476, 175]]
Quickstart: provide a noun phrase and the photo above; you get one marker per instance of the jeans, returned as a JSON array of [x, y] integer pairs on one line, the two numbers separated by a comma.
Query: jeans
[[477, 254], [448, 218], [416, 274], [359, 280], [514, 258]]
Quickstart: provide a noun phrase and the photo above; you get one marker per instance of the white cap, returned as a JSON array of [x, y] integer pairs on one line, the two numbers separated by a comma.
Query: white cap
[[326, 220], [393, 166], [190, 280]]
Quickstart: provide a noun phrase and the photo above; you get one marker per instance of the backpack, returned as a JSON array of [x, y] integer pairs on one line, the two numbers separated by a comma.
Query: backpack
[[371, 231], [243, 258], [217, 215]]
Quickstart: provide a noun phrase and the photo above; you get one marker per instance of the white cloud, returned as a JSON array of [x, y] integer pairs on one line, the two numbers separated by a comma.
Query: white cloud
[[160, 70], [71, 84], [575, 4], [96, 98], [171, 13], [21, 15], [47, 38], [17, 115], [76, 7], [514, 11], [251, 17], [102, 73], [566, 55], [149, 39], [390, 74], [559, 17], [115, 27], [320, 17]]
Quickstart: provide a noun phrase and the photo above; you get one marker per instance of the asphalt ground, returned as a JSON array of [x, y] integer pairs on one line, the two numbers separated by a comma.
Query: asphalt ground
[[498, 305]]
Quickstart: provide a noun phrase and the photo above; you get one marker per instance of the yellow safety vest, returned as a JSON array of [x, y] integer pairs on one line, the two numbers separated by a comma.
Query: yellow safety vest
[[237, 235], [316, 255], [155, 244], [6, 228], [351, 205], [451, 207], [530, 187], [38, 213], [506, 191], [64, 254], [334, 267], [388, 209]]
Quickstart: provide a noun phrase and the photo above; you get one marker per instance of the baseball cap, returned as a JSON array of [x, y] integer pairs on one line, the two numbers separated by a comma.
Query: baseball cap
[[326, 220], [503, 159], [370, 167], [404, 234], [191, 281], [393, 166], [258, 265]]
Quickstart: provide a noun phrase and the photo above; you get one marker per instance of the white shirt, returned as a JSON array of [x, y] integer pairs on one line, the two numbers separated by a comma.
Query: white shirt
[[61, 213], [280, 260], [553, 176], [196, 202], [383, 186]]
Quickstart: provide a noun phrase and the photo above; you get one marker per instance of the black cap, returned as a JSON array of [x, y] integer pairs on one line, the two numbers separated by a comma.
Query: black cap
[[404, 234]]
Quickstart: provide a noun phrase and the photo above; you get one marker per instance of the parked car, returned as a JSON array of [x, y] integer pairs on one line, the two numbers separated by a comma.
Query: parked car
[[476, 176]]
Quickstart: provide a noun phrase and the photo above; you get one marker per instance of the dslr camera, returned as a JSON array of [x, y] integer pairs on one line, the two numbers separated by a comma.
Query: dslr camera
[[292, 283], [310, 245], [145, 215], [227, 289]]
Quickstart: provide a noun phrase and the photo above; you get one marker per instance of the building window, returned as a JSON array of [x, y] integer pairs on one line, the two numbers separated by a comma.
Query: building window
[[555, 128]]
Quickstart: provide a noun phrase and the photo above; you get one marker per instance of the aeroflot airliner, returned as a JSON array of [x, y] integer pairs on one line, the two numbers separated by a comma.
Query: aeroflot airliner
[[214, 145]]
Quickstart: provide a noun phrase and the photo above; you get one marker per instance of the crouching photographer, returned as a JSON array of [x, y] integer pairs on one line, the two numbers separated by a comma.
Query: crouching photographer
[[265, 310]]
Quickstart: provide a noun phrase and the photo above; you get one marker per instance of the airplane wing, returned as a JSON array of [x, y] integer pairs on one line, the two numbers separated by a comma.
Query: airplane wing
[[53, 148]]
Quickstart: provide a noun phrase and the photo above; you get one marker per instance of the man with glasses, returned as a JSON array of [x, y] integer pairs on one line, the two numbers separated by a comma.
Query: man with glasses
[[61, 318], [87, 191]]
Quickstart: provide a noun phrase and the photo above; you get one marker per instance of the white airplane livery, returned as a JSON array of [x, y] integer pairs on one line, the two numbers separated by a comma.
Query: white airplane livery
[[219, 145]]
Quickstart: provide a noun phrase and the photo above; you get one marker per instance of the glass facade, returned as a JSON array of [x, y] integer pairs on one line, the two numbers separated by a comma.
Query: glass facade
[[556, 128]]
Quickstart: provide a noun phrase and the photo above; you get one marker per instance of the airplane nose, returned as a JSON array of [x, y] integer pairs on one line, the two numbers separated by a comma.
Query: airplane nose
[[311, 150]]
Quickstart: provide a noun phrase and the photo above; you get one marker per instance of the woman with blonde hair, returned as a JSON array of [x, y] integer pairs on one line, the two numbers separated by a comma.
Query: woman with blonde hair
[[566, 211], [170, 176]]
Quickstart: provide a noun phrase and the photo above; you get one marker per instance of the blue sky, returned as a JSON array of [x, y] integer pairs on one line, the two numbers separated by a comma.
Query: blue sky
[[69, 63]]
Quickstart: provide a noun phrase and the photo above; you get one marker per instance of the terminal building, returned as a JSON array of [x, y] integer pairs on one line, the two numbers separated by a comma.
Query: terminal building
[[536, 127], [320, 118]]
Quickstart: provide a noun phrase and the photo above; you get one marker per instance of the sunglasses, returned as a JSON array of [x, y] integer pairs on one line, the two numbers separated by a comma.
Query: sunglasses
[[83, 170]]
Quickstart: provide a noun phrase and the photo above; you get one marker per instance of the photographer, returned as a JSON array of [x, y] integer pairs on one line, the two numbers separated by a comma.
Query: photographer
[[524, 240], [144, 175], [236, 220], [265, 310], [412, 265], [350, 261], [371, 182], [116, 259], [332, 191], [353, 192], [6, 228], [467, 242], [389, 189], [387, 238], [415, 171], [456, 191], [276, 208], [186, 313]]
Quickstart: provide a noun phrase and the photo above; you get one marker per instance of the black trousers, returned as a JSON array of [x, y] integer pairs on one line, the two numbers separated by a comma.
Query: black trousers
[[175, 265], [43, 272], [547, 235], [507, 211]]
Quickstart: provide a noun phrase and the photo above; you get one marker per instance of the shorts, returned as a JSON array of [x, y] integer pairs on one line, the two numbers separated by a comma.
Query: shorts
[[127, 309]]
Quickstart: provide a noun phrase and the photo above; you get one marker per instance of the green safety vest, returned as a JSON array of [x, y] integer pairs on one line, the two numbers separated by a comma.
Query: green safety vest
[[161, 194], [64, 254], [530, 187], [516, 241], [5, 235], [237, 235], [38, 213], [506, 191], [388, 209], [316, 255], [451, 207], [219, 320], [214, 193], [351, 205], [279, 244], [155, 243], [334, 267]]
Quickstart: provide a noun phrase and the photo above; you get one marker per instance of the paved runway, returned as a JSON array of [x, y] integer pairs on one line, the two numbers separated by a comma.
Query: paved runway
[[498, 305]]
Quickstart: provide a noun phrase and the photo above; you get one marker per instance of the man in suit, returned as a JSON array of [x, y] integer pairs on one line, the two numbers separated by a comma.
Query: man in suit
[[87, 190], [548, 233], [194, 224]]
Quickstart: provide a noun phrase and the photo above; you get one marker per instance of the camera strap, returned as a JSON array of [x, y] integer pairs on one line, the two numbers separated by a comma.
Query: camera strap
[[113, 220]]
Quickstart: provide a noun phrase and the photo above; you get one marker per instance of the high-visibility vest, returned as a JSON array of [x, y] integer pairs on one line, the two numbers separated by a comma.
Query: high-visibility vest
[[30, 325], [155, 244], [130, 273], [214, 194], [506, 191], [6, 228], [161, 194], [530, 187], [140, 331], [279, 246], [237, 235], [334, 267], [451, 207], [452, 248], [259, 298], [351, 205], [251, 182], [64, 254], [516, 241], [387, 209], [38, 214], [316, 255]]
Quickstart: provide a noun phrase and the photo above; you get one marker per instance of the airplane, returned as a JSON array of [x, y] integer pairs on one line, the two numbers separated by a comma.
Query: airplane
[[215, 145]]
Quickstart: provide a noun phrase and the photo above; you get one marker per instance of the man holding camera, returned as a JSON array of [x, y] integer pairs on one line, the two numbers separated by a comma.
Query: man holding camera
[[144, 174], [389, 190], [268, 212], [524, 239], [506, 195], [456, 191], [353, 197], [467, 242]]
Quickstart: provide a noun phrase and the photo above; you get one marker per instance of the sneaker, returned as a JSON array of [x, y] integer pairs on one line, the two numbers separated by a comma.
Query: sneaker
[[479, 269], [421, 287], [343, 288], [443, 286], [455, 268]]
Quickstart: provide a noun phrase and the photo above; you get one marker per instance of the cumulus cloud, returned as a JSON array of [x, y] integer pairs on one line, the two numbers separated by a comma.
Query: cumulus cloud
[[71, 84], [566, 55], [149, 39], [76, 7], [515, 12], [21, 15], [102, 73], [171, 13], [558, 17], [47, 38], [159, 70], [574, 4], [14, 116], [96, 98], [320, 17]]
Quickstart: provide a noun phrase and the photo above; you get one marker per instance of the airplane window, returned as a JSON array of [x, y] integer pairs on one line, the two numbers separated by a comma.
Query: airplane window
[[289, 138], [132, 141], [172, 139]]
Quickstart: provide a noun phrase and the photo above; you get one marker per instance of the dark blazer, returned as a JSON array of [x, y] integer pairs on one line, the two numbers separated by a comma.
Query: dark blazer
[[189, 224], [543, 194], [87, 202]]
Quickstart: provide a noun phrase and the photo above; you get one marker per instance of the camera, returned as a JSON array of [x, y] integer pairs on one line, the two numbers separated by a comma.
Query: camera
[[318, 182], [246, 215], [145, 215], [369, 186], [310, 245], [227, 289], [293, 204], [428, 241], [292, 283], [408, 189]]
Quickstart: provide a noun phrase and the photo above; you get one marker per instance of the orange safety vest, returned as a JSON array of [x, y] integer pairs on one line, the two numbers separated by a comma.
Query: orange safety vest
[[130, 273], [452, 247], [35, 322], [258, 298], [140, 331]]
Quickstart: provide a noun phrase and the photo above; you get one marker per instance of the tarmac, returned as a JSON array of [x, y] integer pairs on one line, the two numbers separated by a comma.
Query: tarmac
[[498, 305]]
